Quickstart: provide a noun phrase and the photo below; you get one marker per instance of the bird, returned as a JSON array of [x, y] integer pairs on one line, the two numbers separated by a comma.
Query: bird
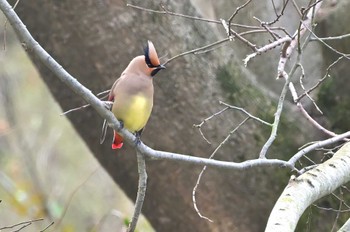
[[132, 95]]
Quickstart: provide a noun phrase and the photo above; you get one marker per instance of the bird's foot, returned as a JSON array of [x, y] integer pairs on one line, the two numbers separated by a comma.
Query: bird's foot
[[121, 124], [138, 138], [108, 104]]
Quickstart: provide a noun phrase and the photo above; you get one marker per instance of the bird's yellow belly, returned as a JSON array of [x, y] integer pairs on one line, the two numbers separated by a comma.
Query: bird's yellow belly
[[135, 115]]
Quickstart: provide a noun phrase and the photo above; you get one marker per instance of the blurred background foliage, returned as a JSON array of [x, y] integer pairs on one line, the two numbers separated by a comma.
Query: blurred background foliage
[[46, 170]]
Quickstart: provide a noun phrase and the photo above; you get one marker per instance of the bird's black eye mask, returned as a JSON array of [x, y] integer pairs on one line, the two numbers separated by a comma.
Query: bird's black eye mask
[[147, 59]]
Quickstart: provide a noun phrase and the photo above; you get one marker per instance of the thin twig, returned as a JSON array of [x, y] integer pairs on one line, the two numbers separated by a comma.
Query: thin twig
[[199, 126], [194, 51], [22, 223], [141, 191], [291, 45], [173, 13], [234, 14], [107, 103], [276, 121], [205, 167], [167, 12], [303, 87], [278, 16], [245, 112], [274, 35], [346, 56], [5, 25], [319, 82], [315, 123], [316, 145], [242, 39], [296, 7], [75, 109], [103, 92], [331, 37], [48, 226]]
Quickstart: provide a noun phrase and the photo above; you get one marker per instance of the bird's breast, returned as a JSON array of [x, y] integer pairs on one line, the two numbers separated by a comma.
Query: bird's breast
[[134, 112]]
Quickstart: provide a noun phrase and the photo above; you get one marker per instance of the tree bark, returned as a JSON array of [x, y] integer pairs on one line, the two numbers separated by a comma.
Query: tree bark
[[95, 40], [302, 191]]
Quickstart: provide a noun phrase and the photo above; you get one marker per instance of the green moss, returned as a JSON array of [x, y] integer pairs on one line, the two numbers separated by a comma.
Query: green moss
[[228, 82], [335, 103]]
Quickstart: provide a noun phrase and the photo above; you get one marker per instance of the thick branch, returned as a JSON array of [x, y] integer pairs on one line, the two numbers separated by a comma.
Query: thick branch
[[307, 188], [345, 227]]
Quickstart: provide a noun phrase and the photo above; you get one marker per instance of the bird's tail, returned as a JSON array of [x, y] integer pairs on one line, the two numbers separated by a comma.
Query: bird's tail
[[117, 141], [104, 131]]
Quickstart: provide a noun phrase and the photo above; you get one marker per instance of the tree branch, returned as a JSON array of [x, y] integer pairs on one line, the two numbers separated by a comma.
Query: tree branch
[[276, 122], [141, 191], [345, 227], [289, 47], [307, 188], [316, 145]]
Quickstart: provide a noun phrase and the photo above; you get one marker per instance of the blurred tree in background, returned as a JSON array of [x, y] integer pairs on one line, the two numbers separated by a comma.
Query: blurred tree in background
[[46, 170]]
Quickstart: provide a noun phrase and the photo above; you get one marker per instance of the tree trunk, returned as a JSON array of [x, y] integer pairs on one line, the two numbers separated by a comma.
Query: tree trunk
[[95, 40]]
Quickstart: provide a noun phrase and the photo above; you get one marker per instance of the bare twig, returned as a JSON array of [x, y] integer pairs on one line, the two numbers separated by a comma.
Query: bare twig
[[205, 167], [246, 112], [103, 92], [75, 109], [316, 145], [274, 35], [321, 80], [47, 227], [339, 37], [199, 126], [278, 16], [5, 25], [107, 103], [167, 12], [267, 47], [194, 51], [346, 56], [276, 121], [313, 121], [25, 223], [141, 191], [291, 45], [303, 87], [296, 7], [234, 14], [242, 39]]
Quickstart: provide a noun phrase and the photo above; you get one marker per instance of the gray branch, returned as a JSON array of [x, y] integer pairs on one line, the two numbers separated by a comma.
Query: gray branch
[[141, 191], [307, 188]]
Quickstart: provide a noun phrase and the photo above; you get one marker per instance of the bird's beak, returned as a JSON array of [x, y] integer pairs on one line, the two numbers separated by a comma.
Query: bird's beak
[[161, 67], [157, 69]]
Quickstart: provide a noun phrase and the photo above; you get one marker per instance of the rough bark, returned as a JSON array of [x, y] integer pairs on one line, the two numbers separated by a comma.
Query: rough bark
[[95, 40]]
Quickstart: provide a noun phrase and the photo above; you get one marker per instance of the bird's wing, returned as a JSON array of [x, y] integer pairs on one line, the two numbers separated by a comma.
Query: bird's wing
[[105, 124]]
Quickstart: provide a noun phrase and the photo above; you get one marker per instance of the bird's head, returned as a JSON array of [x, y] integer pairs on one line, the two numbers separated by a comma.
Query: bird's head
[[151, 59]]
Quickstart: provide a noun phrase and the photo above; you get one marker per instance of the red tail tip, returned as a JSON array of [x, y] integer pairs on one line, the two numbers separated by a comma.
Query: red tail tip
[[117, 146], [117, 141]]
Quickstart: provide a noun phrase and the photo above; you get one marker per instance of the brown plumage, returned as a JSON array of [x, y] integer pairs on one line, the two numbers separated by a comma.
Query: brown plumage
[[132, 94]]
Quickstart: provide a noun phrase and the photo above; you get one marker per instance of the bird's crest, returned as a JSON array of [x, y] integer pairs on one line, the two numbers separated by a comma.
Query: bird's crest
[[151, 56]]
